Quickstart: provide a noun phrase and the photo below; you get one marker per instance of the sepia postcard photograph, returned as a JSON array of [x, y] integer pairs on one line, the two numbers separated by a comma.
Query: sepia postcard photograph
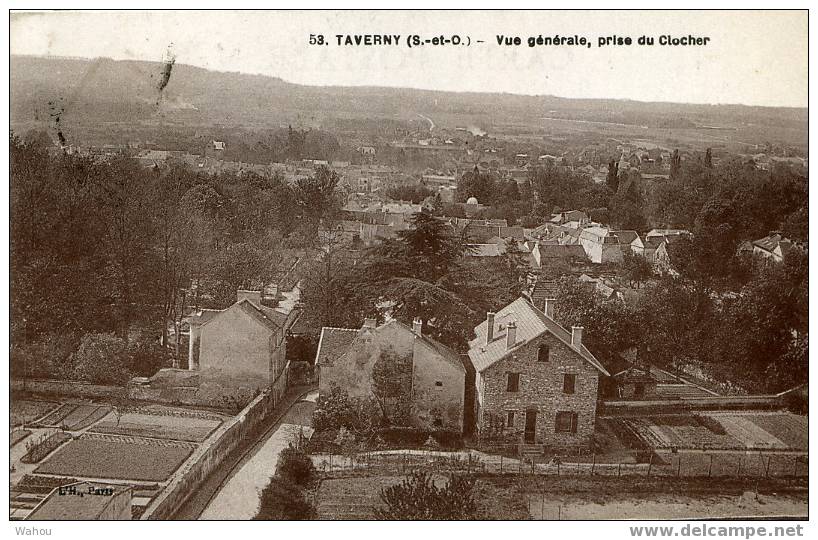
[[409, 265]]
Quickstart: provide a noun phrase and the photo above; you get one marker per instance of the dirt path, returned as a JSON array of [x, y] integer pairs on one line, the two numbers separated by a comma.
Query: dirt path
[[233, 491]]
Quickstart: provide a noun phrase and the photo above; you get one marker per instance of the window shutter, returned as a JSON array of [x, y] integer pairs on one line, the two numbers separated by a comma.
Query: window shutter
[[573, 422]]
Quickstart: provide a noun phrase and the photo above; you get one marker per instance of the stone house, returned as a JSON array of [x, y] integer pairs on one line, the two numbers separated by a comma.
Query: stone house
[[244, 344], [601, 245], [536, 383], [435, 385]]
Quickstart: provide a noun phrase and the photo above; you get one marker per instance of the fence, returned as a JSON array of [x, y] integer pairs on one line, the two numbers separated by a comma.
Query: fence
[[214, 450], [685, 465]]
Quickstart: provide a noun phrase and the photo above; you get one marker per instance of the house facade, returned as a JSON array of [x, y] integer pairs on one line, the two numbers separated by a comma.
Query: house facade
[[244, 344], [435, 382], [600, 245], [536, 383]]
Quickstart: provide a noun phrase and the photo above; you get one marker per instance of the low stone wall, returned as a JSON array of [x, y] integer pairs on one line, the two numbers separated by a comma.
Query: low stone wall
[[714, 403], [66, 388], [218, 445]]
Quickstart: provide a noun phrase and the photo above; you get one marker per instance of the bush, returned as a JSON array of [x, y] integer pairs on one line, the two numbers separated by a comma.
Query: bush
[[417, 497], [45, 358], [101, 359], [284, 500], [300, 373], [337, 409], [296, 465], [42, 447]]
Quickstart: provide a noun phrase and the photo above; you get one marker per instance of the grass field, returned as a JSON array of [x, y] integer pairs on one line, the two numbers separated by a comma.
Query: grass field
[[179, 428], [130, 459], [25, 411]]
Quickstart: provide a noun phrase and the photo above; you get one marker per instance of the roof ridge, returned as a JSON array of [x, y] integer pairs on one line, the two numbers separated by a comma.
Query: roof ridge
[[339, 328]]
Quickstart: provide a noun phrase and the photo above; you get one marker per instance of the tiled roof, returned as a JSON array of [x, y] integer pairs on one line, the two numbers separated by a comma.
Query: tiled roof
[[333, 343], [562, 251], [442, 350], [626, 237], [531, 323]]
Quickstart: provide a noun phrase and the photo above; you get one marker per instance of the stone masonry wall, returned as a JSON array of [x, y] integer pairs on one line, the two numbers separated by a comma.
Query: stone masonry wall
[[540, 388]]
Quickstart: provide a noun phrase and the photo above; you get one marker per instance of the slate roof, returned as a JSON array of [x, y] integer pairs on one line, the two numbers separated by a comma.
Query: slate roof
[[531, 323], [333, 343]]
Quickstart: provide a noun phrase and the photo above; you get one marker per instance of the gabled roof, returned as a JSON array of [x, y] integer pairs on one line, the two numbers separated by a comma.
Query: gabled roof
[[544, 288], [333, 343], [626, 237], [531, 323], [769, 243], [442, 350], [561, 251], [263, 314]]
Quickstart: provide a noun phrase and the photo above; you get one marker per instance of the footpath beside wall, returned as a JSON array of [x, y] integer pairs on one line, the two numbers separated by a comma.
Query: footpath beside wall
[[218, 445]]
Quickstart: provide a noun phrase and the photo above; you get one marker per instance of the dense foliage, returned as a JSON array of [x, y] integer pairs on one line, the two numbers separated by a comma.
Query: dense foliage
[[418, 497], [422, 273], [108, 247]]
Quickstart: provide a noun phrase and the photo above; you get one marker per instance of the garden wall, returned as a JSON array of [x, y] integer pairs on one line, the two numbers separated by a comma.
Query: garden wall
[[218, 446], [67, 388]]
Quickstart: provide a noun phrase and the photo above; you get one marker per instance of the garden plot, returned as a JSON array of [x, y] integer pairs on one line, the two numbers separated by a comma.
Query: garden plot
[[722, 431], [683, 431], [74, 416], [109, 456], [743, 429], [24, 411], [181, 428], [791, 429]]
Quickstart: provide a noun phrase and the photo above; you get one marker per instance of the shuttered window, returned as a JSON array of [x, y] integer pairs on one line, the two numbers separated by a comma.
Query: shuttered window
[[566, 422]]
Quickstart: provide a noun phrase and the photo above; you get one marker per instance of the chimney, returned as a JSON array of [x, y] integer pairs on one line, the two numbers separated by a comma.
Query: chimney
[[370, 323], [489, 327], [576, 336], [253, 296], [417, 326], [511, 334], [549, 307]]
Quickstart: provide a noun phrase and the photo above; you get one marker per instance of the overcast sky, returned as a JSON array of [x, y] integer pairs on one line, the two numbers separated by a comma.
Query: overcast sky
[[754, 58]]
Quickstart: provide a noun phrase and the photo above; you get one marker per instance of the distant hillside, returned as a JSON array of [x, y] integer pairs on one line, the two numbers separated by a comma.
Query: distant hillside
[[86, 92]]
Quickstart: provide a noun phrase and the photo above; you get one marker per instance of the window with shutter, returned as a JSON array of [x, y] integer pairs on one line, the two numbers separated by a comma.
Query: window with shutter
[[566, 422]]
